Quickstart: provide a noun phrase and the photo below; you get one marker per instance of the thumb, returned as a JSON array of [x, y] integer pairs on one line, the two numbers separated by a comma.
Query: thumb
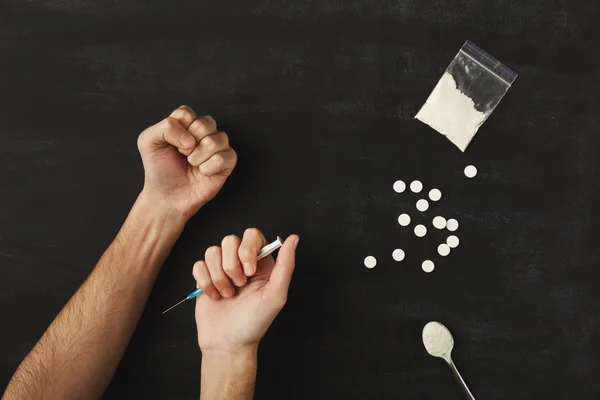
[[284, 268], [167, 132]]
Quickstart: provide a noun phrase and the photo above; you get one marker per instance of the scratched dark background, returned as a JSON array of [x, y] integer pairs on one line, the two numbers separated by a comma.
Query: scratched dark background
[[318, 99]]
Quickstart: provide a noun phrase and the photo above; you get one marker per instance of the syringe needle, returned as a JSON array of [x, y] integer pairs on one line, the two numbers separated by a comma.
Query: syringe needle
[[172, 307]]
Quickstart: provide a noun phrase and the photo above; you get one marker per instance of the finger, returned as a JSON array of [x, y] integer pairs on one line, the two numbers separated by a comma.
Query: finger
[[167, 132], [203, 281], [221, 163], [207, 147], [184, 115], [231, 261], [282, 272], [252, 242], [214, 262], [202, 127]]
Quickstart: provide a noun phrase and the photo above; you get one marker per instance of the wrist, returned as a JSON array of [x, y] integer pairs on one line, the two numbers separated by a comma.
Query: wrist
[[237, 355], [232, 373], [159, 209]]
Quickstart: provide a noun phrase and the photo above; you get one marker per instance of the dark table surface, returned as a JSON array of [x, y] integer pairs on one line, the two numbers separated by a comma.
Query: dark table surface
[[318, 99]]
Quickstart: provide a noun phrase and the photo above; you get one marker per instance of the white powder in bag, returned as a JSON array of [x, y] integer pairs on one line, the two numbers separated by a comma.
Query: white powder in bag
[[452, 113]]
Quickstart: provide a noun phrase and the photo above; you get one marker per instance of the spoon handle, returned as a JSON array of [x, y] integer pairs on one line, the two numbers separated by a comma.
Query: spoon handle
[[460, 379]]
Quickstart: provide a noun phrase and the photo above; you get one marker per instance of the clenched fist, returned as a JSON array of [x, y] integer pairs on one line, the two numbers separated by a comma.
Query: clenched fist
[[242, 295], [186, 161]]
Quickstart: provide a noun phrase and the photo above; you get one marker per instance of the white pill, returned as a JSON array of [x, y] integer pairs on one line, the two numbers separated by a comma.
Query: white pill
[[399, 186], [416, 186], [452, 241], [470, 171], [404, 219], [443, 249], [398, 255], [452, 225], [428, 266], [439, 222], [422, 205], [370, 262], [435, 194], [420, 230]]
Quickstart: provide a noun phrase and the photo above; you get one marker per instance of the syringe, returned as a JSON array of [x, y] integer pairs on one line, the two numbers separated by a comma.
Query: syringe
[[265, 251]]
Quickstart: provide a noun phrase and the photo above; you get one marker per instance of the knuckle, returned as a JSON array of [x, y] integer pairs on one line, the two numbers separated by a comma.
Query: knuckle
[[191, 159], [196, 269], [230, 269], [230, 239], [209, 123], [205, 284], [186, 113], [202, 125], [230, 163], [170, 123], [177, 113], [221, 283], [252, 232], [218, 160], [224, 139], [244, 253], [209, 143], [213, 251], [186, 108]]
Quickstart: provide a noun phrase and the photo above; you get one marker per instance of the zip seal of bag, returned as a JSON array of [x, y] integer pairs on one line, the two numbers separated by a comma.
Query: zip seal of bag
[[465, 96]]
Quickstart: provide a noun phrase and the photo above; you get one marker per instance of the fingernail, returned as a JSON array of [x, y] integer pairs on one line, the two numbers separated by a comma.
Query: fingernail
[[186, 140], [248, 269], [295, 244], [227, 292], [214, 296]]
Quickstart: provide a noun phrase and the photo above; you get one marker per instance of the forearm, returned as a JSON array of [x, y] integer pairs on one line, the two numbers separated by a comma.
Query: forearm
[[78, 354], [227, 376]]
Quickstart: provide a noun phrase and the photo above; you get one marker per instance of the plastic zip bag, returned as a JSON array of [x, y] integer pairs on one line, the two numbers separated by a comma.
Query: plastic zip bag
[[465, 96]]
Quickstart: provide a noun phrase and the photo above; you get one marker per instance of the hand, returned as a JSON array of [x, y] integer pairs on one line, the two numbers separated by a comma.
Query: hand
[[229, 322], [186, 161]]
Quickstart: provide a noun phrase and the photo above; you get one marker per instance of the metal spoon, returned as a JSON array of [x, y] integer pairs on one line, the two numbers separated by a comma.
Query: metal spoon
[[439, 342]]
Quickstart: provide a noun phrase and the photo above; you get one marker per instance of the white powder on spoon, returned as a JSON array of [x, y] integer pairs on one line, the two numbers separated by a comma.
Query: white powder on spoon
[[437, 339], [450, 112]]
